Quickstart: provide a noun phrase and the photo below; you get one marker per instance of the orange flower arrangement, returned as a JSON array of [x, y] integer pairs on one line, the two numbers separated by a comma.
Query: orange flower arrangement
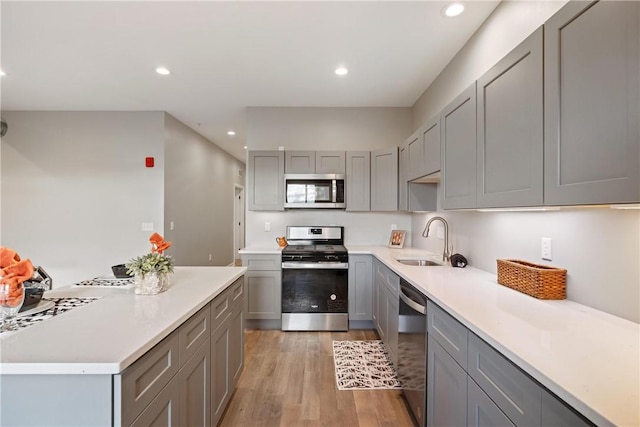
[[13, 271]]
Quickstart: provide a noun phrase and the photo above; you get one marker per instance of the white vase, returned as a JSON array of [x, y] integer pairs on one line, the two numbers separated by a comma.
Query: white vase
[[151, 283]]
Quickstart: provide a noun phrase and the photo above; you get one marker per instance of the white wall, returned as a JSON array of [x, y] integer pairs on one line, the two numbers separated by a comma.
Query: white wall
[[199, 192], [600, 248], [75, 188], [326, 129]]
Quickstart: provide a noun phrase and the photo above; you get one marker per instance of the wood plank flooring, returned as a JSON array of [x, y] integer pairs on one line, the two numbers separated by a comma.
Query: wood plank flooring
[[289, 380]]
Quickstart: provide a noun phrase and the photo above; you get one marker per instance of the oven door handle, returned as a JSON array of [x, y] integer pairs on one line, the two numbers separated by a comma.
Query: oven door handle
[[315, 265], [411, 303]]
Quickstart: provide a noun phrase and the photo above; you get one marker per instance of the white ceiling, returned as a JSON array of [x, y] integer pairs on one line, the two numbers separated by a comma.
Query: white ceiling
[[225, 56]]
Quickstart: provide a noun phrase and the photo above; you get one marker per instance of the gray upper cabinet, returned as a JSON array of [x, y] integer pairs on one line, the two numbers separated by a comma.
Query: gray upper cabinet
[[330, 162], [431, 142], [266, 180], [403, 185], [415, 156], [384, 179], [300, 162], [315, 162], [510, 129], [458, 138], [591, 113], [358, 181]]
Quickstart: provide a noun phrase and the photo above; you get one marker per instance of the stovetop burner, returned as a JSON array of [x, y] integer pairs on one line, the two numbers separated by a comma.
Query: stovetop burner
[[315, 244]]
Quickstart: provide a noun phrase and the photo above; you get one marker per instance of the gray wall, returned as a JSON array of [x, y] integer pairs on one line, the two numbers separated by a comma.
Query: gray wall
[[75, 188], [312, 128], [599, 247], [199, 190]]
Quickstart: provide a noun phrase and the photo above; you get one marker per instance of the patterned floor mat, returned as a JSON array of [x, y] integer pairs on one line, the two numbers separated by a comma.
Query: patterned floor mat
[[363, 365]]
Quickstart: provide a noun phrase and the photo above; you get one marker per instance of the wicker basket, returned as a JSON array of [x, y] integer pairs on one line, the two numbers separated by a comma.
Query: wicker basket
[[539, 281]]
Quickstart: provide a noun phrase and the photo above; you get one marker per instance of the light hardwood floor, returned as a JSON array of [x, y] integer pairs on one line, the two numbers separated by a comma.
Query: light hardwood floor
[[289, 380]]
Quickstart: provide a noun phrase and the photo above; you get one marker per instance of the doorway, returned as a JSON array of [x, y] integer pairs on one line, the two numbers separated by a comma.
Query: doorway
[[238, 222]]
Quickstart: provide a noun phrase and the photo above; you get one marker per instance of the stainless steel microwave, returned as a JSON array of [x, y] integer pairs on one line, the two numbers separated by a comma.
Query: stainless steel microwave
[[314, 191]]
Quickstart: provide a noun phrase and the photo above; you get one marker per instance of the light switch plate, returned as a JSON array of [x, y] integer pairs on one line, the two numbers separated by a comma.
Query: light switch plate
[[267, 226], [546, 252]]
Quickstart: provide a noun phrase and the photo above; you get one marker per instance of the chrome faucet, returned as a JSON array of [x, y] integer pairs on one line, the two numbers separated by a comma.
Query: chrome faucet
[[425, 233]]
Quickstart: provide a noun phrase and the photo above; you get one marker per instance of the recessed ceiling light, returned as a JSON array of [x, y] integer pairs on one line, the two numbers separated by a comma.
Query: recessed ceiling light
[[454, 9], [231, 133], [245, 147], [163, 71], [2, 73], [341, 71]]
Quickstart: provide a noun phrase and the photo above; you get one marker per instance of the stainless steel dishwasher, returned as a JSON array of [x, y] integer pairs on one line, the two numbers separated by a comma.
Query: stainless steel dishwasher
[[412, 349]]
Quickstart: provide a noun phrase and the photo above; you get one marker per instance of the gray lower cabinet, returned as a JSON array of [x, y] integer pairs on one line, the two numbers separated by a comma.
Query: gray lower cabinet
[[358, 181], [556, 414], [386, 307], [384, 179], [236, 344], [458, 139], [163, 411], [263, 286], [195, 388], [591, 103], [446, 388], [510, 129], [220, 381], [481, 411], [360, 287], [265, 178]]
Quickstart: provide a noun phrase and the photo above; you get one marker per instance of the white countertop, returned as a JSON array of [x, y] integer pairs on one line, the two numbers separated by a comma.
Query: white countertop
[[588, 358], [107, 335], [266, 249]]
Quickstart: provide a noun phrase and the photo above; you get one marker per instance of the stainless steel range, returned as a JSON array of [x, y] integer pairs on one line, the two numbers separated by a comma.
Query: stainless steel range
[[315, 284]]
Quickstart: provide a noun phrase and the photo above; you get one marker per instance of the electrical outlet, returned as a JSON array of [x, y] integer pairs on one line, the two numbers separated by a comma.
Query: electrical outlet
[[546, 249], [440, 233], [171, 225], [267, 226], [394, 226], [147, 226], [209, 257]]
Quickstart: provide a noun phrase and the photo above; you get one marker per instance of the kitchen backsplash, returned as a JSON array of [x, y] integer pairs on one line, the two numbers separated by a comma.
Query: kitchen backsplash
[[600, 248]]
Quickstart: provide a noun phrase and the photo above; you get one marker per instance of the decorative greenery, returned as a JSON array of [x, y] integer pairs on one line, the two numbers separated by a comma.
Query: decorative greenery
[[150, 263]]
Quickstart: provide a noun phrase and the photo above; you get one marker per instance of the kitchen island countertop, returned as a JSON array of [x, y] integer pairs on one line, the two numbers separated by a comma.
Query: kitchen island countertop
[[587, 357], [107, 335]]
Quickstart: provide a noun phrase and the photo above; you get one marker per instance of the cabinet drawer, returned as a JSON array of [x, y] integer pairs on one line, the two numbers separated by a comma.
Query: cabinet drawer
[[193, 333], [390, 279], [236, 291], [515, 393], [141, 382], [451, 334], [262, 262]]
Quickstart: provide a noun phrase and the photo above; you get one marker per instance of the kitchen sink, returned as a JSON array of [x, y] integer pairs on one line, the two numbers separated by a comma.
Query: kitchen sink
[[418, 262]]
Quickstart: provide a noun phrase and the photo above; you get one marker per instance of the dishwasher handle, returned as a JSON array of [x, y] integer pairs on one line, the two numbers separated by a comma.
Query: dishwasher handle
[[411, 303]]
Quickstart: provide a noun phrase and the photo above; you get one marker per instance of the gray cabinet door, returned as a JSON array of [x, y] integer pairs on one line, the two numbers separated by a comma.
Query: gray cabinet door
[[481, 411], [236, 343], [510, 128], [392, 327], [446, 388], [195, 388], [163, 411], [300, 162], [266, 180], [415, 156], [450, 334], [384, 179], [403, 184], [358, 181], [220, 376], [360, 287], [374, 295], [591, 113], [330, 162], [458, 138], [383, 318], [556, 414], [431, 141], [263, 294]]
